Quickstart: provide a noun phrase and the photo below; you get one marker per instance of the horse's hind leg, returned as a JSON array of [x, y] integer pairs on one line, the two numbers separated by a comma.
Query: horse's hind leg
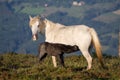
[[88, 58]]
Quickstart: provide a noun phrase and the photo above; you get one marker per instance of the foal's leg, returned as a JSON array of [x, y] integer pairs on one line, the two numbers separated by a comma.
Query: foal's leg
[[42, 56], [54, 61], [61, 59]]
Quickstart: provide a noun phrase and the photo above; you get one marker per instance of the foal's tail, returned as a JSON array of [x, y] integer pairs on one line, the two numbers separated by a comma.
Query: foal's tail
[[97, 45]]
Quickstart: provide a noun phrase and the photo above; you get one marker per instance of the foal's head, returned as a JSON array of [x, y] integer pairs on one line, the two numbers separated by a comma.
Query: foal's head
[[42, 53], [37, 25]]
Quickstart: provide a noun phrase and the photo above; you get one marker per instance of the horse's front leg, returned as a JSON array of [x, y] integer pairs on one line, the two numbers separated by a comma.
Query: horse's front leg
[[54, 61]]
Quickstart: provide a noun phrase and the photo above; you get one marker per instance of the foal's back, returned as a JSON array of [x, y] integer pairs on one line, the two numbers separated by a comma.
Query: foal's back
[[58, 48], [68, 48]]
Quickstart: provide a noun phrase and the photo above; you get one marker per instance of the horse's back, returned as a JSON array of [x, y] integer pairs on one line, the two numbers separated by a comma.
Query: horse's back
[[75, 33], [70, 35]]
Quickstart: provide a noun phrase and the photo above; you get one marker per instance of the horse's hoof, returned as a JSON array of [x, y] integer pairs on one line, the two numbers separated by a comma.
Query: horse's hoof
[[88, 69]]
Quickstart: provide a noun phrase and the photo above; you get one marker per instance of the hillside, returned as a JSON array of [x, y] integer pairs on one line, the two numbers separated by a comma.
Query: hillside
[[26, 67], [15, 34]]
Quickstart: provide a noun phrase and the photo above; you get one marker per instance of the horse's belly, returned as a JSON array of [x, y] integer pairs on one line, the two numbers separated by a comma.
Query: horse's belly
[[61, 41]]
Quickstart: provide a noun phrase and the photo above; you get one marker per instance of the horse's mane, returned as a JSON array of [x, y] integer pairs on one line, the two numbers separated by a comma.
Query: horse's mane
[[52, 24]]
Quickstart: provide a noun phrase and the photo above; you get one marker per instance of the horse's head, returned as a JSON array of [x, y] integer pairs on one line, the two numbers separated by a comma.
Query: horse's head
[[36, 25]]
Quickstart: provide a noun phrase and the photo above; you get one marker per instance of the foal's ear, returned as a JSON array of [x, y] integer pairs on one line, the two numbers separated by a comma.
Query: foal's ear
[[30, 17]]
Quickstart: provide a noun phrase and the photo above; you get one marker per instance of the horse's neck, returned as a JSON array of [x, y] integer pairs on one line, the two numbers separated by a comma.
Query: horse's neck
[[51, 30]]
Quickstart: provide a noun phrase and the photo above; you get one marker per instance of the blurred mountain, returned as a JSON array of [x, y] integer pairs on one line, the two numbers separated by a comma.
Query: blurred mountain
[[15, 34]]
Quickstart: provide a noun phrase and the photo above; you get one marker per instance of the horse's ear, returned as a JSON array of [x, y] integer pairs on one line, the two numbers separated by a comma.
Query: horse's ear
[[42, 17], [30, 17]]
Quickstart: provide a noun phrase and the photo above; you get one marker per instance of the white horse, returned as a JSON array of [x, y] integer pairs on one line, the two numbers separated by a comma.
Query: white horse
[[80, 35]]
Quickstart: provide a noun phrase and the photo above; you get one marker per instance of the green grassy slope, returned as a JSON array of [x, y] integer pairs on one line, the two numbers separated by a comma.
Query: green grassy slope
[[26, 67], [108, 17]]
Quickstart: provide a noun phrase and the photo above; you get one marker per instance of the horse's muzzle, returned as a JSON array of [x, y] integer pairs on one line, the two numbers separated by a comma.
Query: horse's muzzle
[[35, 37]]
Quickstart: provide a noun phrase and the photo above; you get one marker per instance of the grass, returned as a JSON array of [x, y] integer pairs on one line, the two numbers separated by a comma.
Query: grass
[[78, 11], [28, 9], [32, 10], [107, 17], [73, 11], [26, 67]]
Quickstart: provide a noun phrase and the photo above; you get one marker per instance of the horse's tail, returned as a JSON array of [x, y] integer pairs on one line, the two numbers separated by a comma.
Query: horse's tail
[[97, 45]]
